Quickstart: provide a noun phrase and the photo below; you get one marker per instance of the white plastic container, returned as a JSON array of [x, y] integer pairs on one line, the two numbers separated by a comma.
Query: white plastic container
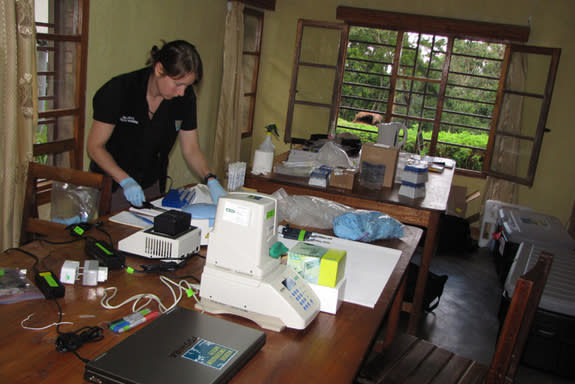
[[264, 157]]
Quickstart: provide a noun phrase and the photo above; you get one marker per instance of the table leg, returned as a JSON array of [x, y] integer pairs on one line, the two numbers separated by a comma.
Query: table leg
[[428, 251]]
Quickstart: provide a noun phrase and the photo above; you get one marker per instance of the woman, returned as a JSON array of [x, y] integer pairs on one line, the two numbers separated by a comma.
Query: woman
[[137, 118]]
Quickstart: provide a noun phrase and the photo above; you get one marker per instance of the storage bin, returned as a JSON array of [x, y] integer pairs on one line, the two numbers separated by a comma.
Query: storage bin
[[520, 225]]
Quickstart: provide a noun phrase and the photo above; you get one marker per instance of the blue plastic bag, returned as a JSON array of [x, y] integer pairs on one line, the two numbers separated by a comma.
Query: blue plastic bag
[[367, 226]]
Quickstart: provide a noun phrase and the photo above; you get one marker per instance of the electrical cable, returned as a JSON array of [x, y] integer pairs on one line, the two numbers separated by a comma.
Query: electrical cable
[[66, 341], [177, 289]]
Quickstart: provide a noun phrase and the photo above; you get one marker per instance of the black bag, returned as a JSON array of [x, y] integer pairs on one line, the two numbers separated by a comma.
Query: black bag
[[455, 235], [433, 288]]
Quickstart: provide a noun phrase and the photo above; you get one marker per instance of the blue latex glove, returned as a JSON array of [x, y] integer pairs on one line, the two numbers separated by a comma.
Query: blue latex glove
[[216, 190], [367, 226], [67, 221], [201, 211], [133, 192]]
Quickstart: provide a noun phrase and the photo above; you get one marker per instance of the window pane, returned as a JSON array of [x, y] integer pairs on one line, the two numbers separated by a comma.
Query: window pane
[[320, 46], [249, 64], [57, 74], [514, 155], [308, 120], [55, 129], [57, 16], [251, 32], [315, 84]]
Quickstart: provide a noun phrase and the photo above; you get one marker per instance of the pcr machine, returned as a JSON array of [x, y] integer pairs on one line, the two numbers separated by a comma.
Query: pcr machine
[[241, 278]]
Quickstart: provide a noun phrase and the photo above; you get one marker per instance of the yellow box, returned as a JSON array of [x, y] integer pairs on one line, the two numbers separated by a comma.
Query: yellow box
[[332, 267]]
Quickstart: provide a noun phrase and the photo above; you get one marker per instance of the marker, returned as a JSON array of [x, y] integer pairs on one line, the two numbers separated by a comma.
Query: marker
[[148, 317], [128, 320]]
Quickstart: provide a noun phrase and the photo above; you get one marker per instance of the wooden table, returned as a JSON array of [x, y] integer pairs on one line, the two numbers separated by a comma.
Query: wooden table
[[423, 212], [330, 350]]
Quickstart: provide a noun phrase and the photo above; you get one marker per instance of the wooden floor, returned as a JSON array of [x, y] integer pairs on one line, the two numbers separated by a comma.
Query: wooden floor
[[465, 322]]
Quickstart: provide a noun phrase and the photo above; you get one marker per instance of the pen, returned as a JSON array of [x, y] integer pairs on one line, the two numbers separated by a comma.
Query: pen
[[145, 220]]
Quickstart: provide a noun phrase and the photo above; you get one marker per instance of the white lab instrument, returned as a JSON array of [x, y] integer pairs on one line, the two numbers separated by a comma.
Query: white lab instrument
[[240, 277], [155, 245]]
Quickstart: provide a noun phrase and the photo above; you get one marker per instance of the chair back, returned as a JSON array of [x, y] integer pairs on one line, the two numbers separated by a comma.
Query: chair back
[[35, 196], [518, 321]]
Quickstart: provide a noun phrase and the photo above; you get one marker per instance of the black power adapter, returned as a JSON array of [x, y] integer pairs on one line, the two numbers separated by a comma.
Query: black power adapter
[[105, 254], [49, 284]]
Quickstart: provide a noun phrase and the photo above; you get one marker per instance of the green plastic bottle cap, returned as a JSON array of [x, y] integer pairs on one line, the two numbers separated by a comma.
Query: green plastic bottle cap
[[278, 249]]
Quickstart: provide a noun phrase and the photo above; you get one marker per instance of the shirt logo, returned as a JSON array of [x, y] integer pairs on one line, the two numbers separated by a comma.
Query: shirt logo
[[128, 119], [178, 125]]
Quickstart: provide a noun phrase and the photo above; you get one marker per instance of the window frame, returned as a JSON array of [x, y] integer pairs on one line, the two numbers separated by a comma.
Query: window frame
[[462, 29], [73, 146], [251, 93]]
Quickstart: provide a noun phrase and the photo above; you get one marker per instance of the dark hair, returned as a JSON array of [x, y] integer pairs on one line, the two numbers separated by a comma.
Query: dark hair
[[178, 58]]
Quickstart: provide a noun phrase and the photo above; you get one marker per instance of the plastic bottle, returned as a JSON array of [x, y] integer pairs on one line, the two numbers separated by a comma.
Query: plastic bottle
[[264, 156]]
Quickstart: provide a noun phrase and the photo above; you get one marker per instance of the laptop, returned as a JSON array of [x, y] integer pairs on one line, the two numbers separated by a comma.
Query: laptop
[[180, 346]]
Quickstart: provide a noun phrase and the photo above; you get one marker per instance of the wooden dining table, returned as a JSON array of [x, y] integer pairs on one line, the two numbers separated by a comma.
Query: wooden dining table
[[424, 212], [330, 350]]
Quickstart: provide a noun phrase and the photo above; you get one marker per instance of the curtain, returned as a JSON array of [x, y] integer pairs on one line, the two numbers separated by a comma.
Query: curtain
[[506, 149], [229, 124], [18, 111]]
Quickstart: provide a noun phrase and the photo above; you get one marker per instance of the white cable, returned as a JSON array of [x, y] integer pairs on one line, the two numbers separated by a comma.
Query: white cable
[[182, 287], [41, 328]]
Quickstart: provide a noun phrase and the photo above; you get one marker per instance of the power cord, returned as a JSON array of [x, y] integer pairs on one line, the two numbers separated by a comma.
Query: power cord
[[72, 341], [67, 341]]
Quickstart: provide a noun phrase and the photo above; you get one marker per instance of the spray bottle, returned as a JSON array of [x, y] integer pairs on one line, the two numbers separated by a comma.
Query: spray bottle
[[264, 156]]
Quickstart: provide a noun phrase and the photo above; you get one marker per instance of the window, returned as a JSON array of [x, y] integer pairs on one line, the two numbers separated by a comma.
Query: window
[[446, 80], [443, 89], [62, 33], [253, 27]]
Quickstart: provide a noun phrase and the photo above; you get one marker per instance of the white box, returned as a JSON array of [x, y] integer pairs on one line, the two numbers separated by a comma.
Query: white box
[[330, 299]]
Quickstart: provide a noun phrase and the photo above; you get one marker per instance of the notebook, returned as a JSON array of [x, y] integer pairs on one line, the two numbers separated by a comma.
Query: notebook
[[180, 346]]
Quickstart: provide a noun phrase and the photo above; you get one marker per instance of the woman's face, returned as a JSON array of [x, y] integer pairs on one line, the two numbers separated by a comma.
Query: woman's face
[[170, 87]]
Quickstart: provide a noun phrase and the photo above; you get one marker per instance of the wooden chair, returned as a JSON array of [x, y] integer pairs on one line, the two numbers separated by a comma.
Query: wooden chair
[[38, 193], [412, 360]]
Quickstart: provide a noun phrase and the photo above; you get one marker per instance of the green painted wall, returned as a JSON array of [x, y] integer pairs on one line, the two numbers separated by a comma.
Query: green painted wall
[[552, 24], [122, 33]]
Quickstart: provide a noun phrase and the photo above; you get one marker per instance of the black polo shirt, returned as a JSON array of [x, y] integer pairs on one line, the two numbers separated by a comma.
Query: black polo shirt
[[140, 145]]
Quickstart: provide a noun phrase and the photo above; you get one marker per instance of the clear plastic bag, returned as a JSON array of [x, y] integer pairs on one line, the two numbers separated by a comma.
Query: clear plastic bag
[[308, 211], [73, 204], [332, 155]]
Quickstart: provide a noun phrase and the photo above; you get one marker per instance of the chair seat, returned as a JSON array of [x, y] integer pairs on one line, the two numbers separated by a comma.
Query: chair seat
[[413, 360]]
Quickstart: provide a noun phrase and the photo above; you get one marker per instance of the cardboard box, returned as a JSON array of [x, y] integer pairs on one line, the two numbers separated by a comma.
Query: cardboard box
[[330, 298], [332, 267], [378, 164], [305, 259], [458, 200], [343, 178], [316, 264]]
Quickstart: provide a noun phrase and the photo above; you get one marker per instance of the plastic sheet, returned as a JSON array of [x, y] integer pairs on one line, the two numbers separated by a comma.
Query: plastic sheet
[[332, 155], [72, 204], [308, 211]]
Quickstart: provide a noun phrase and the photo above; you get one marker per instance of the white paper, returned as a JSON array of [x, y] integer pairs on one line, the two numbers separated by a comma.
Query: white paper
[[367, 269]]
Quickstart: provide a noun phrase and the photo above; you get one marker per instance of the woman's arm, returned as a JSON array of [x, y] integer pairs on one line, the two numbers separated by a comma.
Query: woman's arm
[[195, 157], [96, 147]]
